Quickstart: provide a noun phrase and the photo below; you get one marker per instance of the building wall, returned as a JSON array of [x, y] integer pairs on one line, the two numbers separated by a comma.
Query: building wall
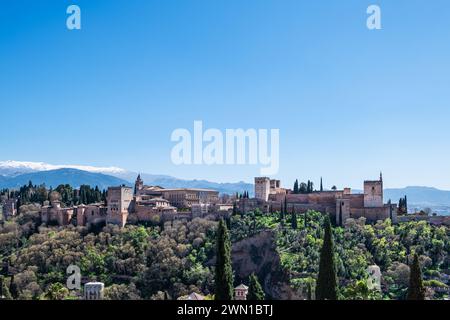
[[91, 214], [185, 198], [342, 210]]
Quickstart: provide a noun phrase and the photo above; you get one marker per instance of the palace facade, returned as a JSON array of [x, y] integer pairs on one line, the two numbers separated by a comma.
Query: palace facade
[[143, 204]]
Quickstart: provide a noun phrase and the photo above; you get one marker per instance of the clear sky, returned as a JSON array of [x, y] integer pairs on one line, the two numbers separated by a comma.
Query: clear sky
[[348, 101]]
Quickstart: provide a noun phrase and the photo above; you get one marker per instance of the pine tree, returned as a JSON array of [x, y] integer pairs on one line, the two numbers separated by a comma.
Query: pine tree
[[255, 291], [296, 191], [416, 290], [326, 280], [224, 272]]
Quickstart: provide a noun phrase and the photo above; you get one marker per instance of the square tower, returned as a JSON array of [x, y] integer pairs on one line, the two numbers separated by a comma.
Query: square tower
[[373, 193], [262, 188], [119, 201]]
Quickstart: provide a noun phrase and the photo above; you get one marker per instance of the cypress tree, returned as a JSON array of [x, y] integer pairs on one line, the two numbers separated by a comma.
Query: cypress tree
[[406, 205], [293, 219], [306, 219], [326, 280], [235, 211], [416, 290], [224, 272], [255, 291], [321, 185], [281, 211], [13, 288], [390, 209], [309, 291], [296, 186]]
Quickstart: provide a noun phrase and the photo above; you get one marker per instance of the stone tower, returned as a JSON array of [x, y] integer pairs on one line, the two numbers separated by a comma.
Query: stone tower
[[262, 188], [373, 193], [119, 201], [138, 185]]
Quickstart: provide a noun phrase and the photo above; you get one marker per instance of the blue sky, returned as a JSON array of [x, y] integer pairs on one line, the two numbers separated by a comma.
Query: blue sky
[[348, 101]]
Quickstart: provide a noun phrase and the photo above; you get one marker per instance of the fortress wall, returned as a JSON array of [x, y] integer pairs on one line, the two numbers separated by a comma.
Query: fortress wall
[[322, 198], [356, 200], [437, 220], [375, 214]]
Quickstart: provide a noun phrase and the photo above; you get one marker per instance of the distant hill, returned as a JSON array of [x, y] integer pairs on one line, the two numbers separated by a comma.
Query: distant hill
[[75, 177], [54, 178], [16, 173], [423, 196]]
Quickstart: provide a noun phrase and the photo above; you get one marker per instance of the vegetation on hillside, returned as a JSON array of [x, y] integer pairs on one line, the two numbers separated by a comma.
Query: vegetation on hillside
[[174, 259]]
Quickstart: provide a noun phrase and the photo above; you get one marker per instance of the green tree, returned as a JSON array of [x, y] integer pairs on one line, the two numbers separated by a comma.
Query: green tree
[[296, 190], [56, 291], [306, 219], [326, 280], [255, 291], [4, 290], [321, 184], [416, 290], [235, 210], [224, 272], [13, 289], [303, 188], [294, 219]]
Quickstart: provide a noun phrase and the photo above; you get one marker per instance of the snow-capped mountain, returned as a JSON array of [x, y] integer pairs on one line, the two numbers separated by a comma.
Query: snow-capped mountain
[[14, 168], [14, 174]]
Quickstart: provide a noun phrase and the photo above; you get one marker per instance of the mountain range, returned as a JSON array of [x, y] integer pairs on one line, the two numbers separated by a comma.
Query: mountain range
[[14, 174]]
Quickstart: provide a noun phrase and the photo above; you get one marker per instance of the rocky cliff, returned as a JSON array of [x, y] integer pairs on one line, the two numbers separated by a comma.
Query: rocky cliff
[[258, 254]]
